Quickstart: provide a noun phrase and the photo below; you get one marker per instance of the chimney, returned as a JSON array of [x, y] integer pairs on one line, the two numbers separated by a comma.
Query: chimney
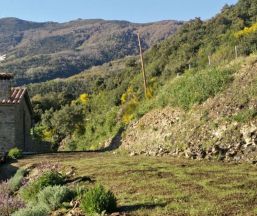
[[5, 85]]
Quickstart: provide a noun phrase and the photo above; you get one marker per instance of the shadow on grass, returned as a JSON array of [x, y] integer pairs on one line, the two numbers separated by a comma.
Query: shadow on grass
[[80, 179], [7, 171], [115, 142], [136, 207]]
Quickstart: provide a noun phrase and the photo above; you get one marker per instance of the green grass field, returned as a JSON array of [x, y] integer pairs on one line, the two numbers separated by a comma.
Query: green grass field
[[166, 186]]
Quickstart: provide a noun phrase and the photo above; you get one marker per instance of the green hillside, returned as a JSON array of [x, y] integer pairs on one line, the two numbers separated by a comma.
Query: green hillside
[[38, 52], [92, 109]]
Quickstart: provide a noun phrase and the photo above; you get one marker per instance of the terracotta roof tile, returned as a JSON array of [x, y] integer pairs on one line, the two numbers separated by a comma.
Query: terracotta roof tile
[[16, 96]]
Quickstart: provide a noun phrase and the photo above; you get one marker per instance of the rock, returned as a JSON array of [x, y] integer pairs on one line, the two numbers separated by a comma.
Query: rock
[[215, 150], [201, 154], [142, 153], [190, 154], [249, 134], [132, 154], [254, 162], [231, 153], [118, 214], [71, 172], [75, 212], [237, 158], [250, 148], [152, 153]]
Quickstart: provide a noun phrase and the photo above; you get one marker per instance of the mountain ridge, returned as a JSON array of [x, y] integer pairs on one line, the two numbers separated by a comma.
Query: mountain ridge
[[38, 52]]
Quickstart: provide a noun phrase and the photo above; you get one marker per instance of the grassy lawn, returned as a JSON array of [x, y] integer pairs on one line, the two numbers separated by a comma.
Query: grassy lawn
[[166, 186]]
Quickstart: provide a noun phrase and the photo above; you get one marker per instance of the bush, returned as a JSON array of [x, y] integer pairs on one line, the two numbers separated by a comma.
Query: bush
[[194, 87], [53, 196], [37, 210], [48, 179], [15, 153], [97, 200], [16, 181]]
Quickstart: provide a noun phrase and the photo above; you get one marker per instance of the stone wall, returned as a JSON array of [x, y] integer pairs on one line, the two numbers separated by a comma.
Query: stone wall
[[23, 126], [15, 129], [7, 127]]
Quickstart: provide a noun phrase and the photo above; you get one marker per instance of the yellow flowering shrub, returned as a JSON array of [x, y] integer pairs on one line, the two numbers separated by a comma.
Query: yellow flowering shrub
[[129, 102], [246, 31], [84, 99]]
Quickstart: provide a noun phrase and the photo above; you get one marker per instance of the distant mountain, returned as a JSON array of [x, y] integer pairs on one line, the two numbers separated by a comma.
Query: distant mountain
[[38, 52]]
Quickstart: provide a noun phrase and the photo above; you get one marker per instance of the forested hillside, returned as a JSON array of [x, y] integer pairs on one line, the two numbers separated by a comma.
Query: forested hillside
[[110, 97], [38, 52]]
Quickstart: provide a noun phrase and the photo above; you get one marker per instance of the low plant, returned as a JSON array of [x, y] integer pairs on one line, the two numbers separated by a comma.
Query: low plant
[[37, 210], [8, 203], [53, 196], [195, 87], [16, 181], [98, 200], [50, 178], [15, 153]]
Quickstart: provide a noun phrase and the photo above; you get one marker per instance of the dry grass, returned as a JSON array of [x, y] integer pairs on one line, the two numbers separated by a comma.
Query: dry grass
[[166, 186]]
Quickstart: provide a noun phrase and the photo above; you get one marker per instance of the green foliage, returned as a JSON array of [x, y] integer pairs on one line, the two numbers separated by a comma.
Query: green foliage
[[130, 102], [15, 153], [53, 196], [62, 123], [16, 181], [194, 87], [36, 210], [47, 200], [61, 120], [245, 115], [50, 178], [97, 200]]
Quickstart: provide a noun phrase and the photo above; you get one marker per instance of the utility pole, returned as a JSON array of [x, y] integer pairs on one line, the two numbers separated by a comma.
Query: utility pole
[[236, 52], [142, 64], [209, 58]]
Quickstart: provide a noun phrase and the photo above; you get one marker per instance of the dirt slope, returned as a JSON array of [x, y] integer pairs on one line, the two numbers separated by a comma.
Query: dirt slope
[[224, 127]]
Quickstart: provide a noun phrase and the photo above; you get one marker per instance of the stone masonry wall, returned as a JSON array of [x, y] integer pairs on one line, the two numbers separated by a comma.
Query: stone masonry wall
[[23, 126], [7, 127]]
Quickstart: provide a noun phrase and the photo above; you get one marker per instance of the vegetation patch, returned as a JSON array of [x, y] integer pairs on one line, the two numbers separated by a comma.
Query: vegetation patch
[[51, 178], [15, 153], [16, 181], [99, 200]]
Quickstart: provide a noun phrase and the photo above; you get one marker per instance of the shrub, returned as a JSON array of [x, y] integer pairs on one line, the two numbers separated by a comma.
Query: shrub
[[16, 181], [15, 153], [8, 203], [50, 178], [53, 196], [194, 87], [37, 210], [97, 200]]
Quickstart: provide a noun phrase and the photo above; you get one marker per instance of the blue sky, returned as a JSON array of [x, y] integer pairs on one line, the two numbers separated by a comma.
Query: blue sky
[[131, 10]]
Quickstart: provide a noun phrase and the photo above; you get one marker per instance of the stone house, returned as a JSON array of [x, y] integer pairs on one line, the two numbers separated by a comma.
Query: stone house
[[15, 116]]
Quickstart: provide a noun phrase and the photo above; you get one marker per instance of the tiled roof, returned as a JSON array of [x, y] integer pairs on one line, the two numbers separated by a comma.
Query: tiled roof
[[16, 95]]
